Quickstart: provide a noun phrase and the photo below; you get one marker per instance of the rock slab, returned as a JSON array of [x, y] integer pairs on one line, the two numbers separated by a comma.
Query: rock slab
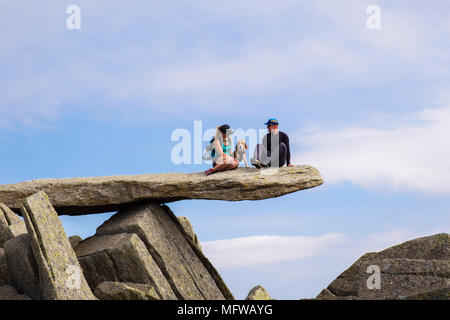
[[9, 293], [22, 267], [258, 293], [187, 226], [76, 196], [60, 274], [10, 224], [125, 291], [4, 271], [416, 269], [187, 270], [121, 257]]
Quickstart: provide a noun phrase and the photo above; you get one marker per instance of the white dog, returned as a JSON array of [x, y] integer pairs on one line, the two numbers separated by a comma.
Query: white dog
[[240, 153]]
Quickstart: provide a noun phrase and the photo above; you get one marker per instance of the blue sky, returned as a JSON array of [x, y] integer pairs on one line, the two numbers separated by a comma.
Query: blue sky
[[369, 108]]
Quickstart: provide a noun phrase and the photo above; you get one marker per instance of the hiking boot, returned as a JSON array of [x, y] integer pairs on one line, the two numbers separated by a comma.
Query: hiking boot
[[265, 165], [255, 162]]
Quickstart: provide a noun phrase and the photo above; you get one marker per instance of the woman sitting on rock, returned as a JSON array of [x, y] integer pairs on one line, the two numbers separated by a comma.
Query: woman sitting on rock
[[221, 154]]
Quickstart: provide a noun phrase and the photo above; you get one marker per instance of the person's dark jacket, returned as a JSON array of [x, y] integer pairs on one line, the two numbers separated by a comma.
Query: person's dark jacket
[[283, 139]]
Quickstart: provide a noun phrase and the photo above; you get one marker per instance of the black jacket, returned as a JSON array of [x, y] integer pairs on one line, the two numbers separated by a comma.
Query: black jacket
[[283, 138]]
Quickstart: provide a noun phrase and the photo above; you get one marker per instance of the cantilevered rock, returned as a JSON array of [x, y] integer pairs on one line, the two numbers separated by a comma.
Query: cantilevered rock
[[76, 196], [60, 274]]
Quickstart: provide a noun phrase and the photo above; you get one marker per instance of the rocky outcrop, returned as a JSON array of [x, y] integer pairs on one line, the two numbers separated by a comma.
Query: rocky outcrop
[[416, 269], [188, 271], [9, 293], [22, 267], [4, 272], [121, 257], [125, 291], [258, 293], [74, 241], [105, 194], [187, 227], [10, 225], [59, 272], [142, 252]]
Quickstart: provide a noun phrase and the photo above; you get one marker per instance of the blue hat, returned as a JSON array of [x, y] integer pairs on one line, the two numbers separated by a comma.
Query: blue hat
[[272, 121]]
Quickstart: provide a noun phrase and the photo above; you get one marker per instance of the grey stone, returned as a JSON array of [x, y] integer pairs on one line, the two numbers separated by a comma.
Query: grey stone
[[416, 269], [59, 272], [9, 293], [188, 271], [125, 291], [187, 226], [74, 241], [4, 272], [121, 257], [10, 224], [76, 196], [23, 270], [258, 293]]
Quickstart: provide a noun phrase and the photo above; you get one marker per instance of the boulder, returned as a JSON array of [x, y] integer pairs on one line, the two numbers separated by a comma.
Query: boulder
[[76, 196], [59, 272], [23, 270], [187, 226], [125, 291], [326, 294], [4, 272], [9, 293], [10, 224], [416, 269], [188, 271], [258, 293], [74, 241], [121, 257]]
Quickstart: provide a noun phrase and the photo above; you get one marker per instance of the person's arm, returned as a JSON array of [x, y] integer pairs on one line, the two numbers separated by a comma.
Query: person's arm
[[264, 142], [218, 147], [288, 154]]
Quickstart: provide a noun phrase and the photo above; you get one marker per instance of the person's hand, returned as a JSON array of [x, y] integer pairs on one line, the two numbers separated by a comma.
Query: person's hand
[[290, 165]]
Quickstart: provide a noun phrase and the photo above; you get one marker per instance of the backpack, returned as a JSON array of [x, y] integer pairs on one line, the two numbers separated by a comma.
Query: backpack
[[210, 151]]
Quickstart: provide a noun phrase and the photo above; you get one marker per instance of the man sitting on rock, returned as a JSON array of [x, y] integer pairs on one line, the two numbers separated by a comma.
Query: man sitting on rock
[[277, 156]]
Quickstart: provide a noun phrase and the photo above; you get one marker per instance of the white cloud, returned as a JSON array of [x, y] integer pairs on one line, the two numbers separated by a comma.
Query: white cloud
[[263, 68], [159, 57], [257, 250], [275, 250], [412, 156], [297, 267]]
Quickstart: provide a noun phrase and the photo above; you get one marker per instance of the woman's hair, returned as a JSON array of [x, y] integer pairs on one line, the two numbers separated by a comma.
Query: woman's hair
[[224, 128]]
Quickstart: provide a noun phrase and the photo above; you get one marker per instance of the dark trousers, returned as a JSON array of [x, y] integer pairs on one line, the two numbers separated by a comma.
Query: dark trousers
[[268, 158]]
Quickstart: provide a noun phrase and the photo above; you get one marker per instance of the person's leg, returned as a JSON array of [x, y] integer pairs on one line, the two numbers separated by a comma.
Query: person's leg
[[257, 153], [261, 154], [282, 155], [278, 156], [225, 164]]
